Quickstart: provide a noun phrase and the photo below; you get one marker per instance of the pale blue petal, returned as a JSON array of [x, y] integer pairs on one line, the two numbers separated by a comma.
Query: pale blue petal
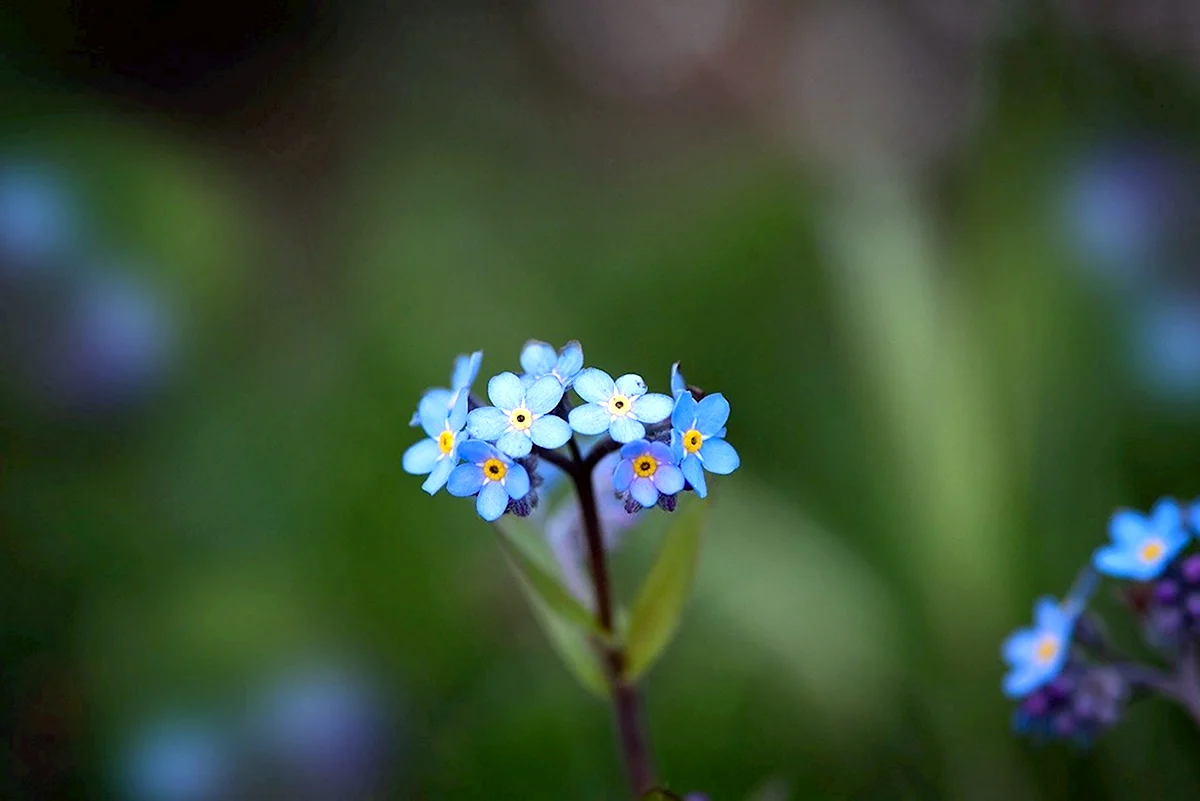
[[677, 451], [492, 501], [476, 451], [515, 443], [643, 491], [516, 482], [720, 434], [668, 478], [622, 476], [1018, 648], [623, 429], [1022, 681], [433, 412], [1118, 561], [505, 391], [684, 416], [652, 408], [662, 453], [678, 384], [570, 362], [590, 418], [632, 450], [543, 395], [465, 370], [1166, 515], [466, 479], [458, 411], [1048, 614], [420, 457], [538, 358], [1127, 526], [631, 385], [550, 432], [711, 414], [527, 380], [415, 420], [594, 386], [439, 474], [694, 473], [719, 457], [486, 423]]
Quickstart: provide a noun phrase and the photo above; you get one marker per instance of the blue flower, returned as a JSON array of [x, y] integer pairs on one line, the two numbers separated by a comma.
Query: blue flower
[[619, 407], [697, 439], [539, 359], [1142, 547], [520, 417], [438, 454], [1036, 654], [492, 475], [647, 469], [466, 368]]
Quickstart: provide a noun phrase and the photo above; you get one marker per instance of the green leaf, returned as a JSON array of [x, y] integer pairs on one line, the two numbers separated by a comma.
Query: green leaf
[[661, 794], [548, 588], [660, 602]]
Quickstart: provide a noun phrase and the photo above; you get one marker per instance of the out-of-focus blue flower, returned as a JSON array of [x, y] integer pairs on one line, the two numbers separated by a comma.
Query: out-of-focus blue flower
[[539, 359], [647, 469], [491, 474], [37, 217], [520, 417], [619, 407], [1036, 654], [1167, 344], [183, 759], [697, 439], [466, 368], [438, 454], [1142, 546]]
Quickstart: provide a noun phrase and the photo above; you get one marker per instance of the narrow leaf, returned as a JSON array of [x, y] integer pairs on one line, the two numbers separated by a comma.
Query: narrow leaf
[[548, 588], [660, 602]]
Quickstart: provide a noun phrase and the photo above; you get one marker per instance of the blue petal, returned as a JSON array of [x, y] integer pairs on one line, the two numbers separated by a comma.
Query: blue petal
[[662, 453], [439, 474], [492, 501], [543, 395], [594, 386], [433, 413], [420, 457], [643, 491], [550, 431], [677, 451], [458, 412], [515, 443], [1119, 562], [415, 420], [1175, 541], [591, 418], [623, 475], [632, 450], [623, 429], [1127, 526], [476, 451], [516, 482], [678, 384], [570, 362], [719, 457], [684, 416], [486, 423], [466, 479], [694, 473], [652, 408], [465, 370], [631, 385], [668, 478], [505, 391], [711, 414], [1019, 647], [1048, 615], [1166, 515], [1020, 682], [538, 358]]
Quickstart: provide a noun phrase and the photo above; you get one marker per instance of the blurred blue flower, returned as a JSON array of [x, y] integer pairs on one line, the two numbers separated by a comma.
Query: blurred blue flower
[[466, 368], [697, 439], [1078, 704], [520, 417], [179, 759], [1142, 546], [491, 474], [1167, 342], [37, 217], [539, 359], [619, 407], [438, 454], [1037, 654], [647, 469]]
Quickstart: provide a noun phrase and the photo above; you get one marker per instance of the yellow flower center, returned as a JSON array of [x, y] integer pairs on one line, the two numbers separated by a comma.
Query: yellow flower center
[[520, 418], [619, 405], [1151, 551], [645, 465], [692, 441], [446, 441], [494, 470], [1047, 649]]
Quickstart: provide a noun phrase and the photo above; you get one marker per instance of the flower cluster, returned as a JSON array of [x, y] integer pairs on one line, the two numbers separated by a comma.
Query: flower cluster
[[1068, 680], [491, 451]]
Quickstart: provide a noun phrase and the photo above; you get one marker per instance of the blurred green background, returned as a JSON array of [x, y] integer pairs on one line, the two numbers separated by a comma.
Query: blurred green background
[[940, 256]]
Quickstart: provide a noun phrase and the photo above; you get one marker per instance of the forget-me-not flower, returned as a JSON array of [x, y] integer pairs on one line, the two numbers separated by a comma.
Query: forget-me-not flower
[[619, 407], [697, 439], [519, 418], [492, 475], [466, 368], [438, 454], [1037, 654], [1142, 546], [539, 359], [646, 470]]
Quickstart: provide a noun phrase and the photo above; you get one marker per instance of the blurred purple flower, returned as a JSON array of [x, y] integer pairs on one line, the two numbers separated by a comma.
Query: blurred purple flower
[[180, 759]]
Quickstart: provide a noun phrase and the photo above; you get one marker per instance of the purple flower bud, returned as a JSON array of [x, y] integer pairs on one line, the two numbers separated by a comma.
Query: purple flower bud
[[1191, 569], [1166, 591], [667, 502]]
